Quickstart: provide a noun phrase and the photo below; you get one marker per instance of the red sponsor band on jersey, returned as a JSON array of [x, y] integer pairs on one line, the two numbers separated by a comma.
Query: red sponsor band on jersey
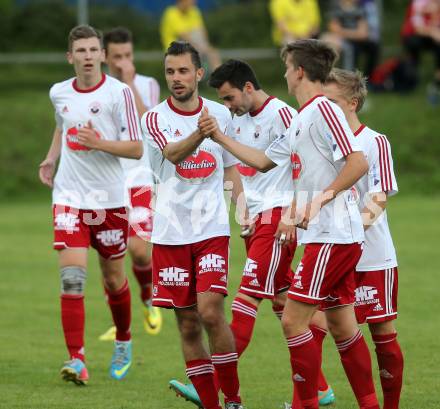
[[296, 165], [246, 170], [198, 166], [73, 142]]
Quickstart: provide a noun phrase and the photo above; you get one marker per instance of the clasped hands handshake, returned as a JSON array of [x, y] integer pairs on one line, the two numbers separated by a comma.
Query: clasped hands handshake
[[208, 125]]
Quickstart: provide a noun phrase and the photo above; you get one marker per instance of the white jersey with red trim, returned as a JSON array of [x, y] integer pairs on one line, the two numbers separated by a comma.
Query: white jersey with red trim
[[92, 179], [190, 205], [318, 140], [148, 89], [379, 252], [259, 129], [138, 172]]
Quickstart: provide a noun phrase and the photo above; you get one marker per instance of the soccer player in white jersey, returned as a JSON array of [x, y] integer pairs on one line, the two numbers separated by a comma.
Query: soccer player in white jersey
[[327, 162], [258, 120], [119, 57], [96, 123], [376, 273], [191, 227]]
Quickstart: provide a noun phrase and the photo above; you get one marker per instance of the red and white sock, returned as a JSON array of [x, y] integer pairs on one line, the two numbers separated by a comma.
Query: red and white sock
[[72, 318], [305, 361], [390, 360], [356, 361], [200, 373], [225, 365], [120, 305], [318, 335], [243, 320], [144, 278]]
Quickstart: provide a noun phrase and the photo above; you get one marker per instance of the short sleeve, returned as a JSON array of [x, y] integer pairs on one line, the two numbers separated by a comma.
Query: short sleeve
[[58, 117], [197, 19], [156, 130], [228, 158], [334, 129], [128, 116], [282, 120], [279, 150], [381, 177], [154, 91]]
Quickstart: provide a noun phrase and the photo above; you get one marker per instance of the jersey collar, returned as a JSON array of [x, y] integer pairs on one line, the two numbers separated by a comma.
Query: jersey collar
[[85, 90], [309, 102], [361, 128], [185, 113], [257, 111]]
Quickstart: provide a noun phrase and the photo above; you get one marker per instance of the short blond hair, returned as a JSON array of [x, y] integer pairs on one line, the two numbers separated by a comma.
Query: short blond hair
[[352, 84]]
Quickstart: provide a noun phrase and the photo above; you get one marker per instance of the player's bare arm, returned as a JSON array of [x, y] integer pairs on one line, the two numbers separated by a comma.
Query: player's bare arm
[[248, 155], [47, 167], [176, 152], [375, 205], [89, 137], [239, 199], [355, 167]]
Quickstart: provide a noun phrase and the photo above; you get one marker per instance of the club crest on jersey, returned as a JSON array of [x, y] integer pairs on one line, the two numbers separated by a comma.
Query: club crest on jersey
[[237, 131], [95, 108], [296, 165], [197, 167], [177, 133], [65, 110], [257, 131], [246, 170], [353, 195]]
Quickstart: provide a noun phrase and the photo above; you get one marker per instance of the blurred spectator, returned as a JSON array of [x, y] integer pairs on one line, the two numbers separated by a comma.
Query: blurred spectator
[[184, 22], [420, 31], [350, 33], [294, 19]]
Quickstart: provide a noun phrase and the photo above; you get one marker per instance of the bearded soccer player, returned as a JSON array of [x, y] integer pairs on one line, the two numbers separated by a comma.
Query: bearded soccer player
[[96, 124], [191, 227], [328, 162], [119, 57], [376, 273], [259, 119]]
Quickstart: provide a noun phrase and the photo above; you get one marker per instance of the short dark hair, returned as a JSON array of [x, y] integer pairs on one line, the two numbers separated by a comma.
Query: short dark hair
[[316, 57], [117, 35], [236, 72], [83, 31], [183, 47]]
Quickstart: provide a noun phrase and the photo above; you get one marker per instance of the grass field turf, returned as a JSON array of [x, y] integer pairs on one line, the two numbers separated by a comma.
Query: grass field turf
[[32, 347]]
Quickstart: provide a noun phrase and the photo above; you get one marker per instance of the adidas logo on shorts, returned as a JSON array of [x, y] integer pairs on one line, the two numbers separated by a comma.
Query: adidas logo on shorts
[[298, 378], [378, 307], [254, 282]]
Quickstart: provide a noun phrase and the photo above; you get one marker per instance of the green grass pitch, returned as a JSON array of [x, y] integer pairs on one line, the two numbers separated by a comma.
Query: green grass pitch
[[32, 347]]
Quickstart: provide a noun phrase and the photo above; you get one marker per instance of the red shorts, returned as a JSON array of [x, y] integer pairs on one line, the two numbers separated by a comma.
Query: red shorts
[[140, 215], [181, 272], [325, 274], [376, 295], [268, 265], [105, 230]]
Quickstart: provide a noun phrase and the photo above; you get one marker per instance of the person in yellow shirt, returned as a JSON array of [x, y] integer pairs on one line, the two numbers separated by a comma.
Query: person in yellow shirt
[[184, 22], [294, 19]]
